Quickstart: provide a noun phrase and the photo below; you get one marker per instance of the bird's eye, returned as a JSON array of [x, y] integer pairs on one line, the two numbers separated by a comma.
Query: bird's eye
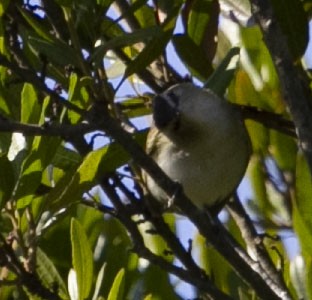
[[174, 98]]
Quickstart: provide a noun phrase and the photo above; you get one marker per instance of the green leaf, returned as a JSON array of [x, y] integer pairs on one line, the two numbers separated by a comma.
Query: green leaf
[[98, 283], [7, 180], [284, 150], [106, 159], [82, 259], [150, 52], [294, 23], [135, 107], [42, 151], [49, 275], [218, 268], [145, 15], [3, 6], [30, 108], [303, 205], [117, 290], [37, 24], [154, 48], [258, 178], [224, 73], [135, 6], [127, 39], [73, 96], [57, 52], [193, 56], [72, 186], [66, 159], [202, 25]]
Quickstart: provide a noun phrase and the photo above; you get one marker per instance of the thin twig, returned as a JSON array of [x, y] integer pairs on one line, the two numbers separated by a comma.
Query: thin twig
[[254, 241]]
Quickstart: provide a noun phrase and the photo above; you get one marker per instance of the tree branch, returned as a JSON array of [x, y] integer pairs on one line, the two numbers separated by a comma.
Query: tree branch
[[29, 280], [254, 242], [201, 280], [248, 269], [296, 93], [60, 130]]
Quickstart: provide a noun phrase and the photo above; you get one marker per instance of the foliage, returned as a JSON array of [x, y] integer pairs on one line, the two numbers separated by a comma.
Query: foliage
[[74, 222]]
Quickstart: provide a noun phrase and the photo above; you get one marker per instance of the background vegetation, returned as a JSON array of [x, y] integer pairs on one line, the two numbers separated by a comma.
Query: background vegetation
[[74, 223]]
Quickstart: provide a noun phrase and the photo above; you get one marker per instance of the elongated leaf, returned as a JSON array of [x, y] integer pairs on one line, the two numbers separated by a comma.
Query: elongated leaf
[[140, 35], [224, 73], [49, 275], [152, 51], [202, 26], [304, 196], [75, 183], [132, 9], [135, 107], [66, 159], [284, 150], [30, 109], [193, 56], [7, 180], [294, 23], [117, 289], [98, 284], [41, 154], [3, 5], [37, 24], [154, 48], [72, 186], [56, 52], [82, 259], [72, 285]]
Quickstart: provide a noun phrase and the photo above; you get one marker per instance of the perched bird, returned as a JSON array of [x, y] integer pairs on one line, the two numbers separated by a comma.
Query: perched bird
[[199, 140]]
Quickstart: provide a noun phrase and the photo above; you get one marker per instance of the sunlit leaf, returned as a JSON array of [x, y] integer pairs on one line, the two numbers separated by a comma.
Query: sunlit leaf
[[30, 109], [117, 289], [78, 95], [98, 283], [82, 259], [298, 270], [3, 6], [303, 205]]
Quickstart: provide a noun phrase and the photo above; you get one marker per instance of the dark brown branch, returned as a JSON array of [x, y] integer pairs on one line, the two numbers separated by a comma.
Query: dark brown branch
[[254, 241], [61, 130], [268, 119], [29, 280], [249, 270], [296, 93], [202, 282], [172, 241]]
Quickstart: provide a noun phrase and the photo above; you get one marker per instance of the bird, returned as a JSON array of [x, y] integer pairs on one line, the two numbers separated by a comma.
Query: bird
[[200, 141]]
